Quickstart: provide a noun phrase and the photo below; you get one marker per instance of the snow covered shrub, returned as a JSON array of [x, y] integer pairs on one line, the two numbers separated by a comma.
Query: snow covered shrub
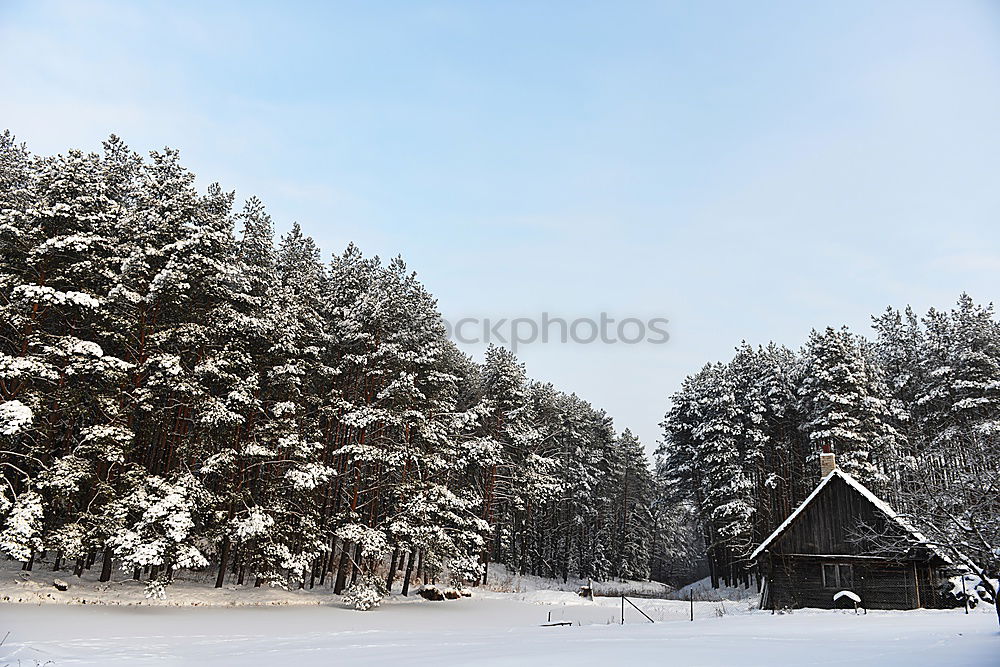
[[463, 568], [446, 528], [15, 416], [159, 516], [156, 590], [22, 531], [367, 592], [954, 594]]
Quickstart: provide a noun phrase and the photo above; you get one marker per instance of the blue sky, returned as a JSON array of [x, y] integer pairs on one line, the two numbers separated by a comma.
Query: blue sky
[[747, 170]]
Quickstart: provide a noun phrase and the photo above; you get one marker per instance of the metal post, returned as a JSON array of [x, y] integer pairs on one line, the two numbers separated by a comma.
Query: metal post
[[965, 595], [625, 599], [623, 610], [691, 599]]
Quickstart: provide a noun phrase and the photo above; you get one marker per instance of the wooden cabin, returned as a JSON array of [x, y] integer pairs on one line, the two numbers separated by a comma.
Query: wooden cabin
[[844, 538]]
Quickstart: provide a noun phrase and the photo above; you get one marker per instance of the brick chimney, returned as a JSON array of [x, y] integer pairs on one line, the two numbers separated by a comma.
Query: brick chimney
[[827, 461]]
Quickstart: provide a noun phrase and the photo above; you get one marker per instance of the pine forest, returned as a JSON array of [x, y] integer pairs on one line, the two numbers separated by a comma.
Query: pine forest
[[181, 390]]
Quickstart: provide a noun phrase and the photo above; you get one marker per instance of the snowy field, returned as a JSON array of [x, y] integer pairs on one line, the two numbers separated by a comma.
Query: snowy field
[[491, 629]]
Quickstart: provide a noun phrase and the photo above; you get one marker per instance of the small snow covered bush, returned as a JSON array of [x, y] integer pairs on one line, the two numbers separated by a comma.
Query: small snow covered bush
[[156, 590], [21, 534], [366, 593]]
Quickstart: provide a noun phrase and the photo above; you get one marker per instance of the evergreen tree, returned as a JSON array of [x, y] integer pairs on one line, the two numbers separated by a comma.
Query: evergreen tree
[[844, 404], [634, 517]]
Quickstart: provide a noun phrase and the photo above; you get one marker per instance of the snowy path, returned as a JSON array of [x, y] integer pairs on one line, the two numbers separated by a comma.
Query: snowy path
[[499, 630]]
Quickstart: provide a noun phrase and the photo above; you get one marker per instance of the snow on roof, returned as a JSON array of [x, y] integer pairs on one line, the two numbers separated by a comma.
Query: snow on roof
[[868, 495]]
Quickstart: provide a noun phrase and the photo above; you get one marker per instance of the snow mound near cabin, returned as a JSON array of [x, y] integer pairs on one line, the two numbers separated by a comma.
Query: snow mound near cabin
[[500, 580], [702, 591]]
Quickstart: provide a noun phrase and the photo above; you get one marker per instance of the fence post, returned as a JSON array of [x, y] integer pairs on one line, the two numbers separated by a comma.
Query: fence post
[[624, 600], [691, 599], [965, 594]]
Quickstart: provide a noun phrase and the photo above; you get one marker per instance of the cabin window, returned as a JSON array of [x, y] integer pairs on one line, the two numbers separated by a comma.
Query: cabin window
[[838, 576]]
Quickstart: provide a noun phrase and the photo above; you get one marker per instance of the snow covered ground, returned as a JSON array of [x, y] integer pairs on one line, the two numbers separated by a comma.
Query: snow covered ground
[[491, 629], [113, 624], [197, 589]]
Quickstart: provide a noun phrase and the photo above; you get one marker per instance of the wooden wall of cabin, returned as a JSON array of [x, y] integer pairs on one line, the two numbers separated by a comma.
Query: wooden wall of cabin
[[832, 524], [797, 581]]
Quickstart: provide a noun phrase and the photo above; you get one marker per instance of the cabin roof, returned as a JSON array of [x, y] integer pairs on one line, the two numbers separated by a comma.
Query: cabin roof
[[880, 504]]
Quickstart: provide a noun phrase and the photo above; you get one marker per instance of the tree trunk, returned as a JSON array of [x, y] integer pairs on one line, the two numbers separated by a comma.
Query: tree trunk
[[223, 561], [106, 565], [341, 582], [392, 570], [357, 564], [409, 572], [328, 562]]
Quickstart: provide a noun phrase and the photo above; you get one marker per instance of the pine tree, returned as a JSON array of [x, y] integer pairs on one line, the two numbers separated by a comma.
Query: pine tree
[[844, 403], [634, 514]]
